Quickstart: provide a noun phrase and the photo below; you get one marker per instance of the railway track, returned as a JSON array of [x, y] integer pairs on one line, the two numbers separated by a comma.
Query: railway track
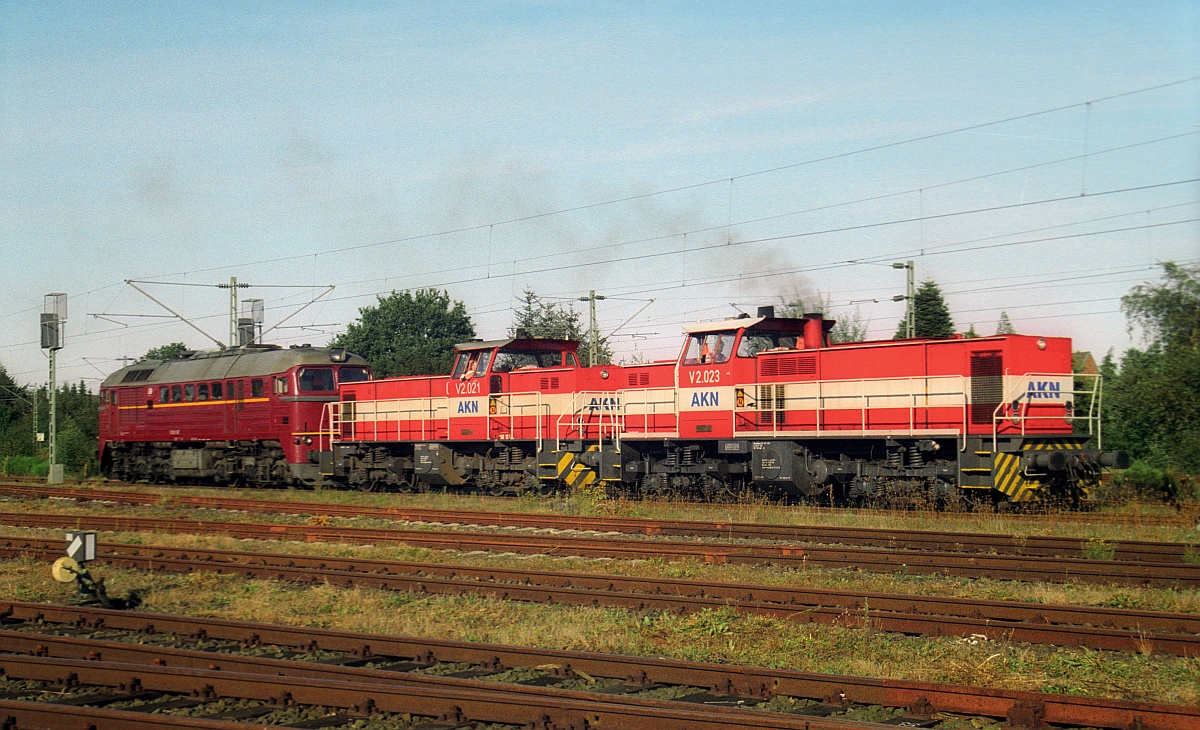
[[962, 542], [1184, 519], [877, 560], [726, 693], [1097, 628]]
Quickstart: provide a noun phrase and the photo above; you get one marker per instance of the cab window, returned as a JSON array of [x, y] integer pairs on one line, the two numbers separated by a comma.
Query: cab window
[[506, 361], [281, 385], [314, 380], [570, 360], [176, 394], [216, 391], [755, 342], [709, 348], [353, 375], [202, 391], [189, 393], [482, 367], [460, 365], [164, 394]]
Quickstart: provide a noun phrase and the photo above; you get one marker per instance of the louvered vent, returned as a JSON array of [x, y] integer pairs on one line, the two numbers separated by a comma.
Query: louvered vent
[[136, 376], [636, 379], [795, 365], [550, 383]]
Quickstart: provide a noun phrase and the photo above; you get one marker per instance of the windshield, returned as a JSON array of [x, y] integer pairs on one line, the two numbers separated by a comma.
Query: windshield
[[353, 375], [315, 379], [709, 348]]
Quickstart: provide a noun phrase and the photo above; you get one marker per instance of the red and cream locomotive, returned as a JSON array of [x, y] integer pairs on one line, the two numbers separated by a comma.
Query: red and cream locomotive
[[761, 403], [245, 415]]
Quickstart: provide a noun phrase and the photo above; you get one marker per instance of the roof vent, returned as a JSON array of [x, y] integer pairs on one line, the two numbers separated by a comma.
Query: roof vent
[[767, 311]]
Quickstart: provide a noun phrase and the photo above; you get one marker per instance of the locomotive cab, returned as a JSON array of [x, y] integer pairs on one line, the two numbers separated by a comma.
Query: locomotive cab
[[718, 356]]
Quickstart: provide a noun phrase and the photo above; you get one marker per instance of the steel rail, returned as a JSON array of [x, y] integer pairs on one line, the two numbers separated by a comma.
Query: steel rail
[[744, 681], [961, 542], [1173, 633], [48, 716], [1185, 518], [59, 647], [456, 705], [874, 560]]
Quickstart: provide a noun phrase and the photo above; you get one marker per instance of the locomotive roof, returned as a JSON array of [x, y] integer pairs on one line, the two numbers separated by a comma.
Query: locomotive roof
[[514, 343], [238, 362], [769, 324]]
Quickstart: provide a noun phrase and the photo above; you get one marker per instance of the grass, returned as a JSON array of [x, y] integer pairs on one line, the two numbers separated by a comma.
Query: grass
[[714, 636], [1087, 594]]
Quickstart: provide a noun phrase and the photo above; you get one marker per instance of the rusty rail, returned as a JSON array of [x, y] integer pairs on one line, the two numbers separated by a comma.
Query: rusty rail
[[875, 560], [961, 542], [754, 683], [1160, 632]]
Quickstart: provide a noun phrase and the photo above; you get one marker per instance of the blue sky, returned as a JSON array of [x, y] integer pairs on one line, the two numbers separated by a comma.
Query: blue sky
[[376, 146]]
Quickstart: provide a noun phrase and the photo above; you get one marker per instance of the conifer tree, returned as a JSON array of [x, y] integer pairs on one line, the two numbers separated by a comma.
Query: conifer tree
[[1005, 325], [932, 316]]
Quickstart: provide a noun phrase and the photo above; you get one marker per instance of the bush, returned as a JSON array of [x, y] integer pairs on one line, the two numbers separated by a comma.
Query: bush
[[1145, 482], [24, 466]]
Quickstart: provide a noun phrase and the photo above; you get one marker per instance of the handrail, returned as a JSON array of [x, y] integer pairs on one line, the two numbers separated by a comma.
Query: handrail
[[1017, 393], [506, 400], [379, 411], [822, 400], [575, 416]]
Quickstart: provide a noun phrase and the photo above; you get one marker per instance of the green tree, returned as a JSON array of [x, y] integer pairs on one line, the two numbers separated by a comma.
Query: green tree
[[557, 321], [932, 316], [1005, 325], [16, 417], [1152, 406], [408, 333], [971, 333], [173, 351]]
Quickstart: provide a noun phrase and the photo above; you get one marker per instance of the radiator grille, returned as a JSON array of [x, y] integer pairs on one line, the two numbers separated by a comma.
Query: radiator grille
[[796, 365]]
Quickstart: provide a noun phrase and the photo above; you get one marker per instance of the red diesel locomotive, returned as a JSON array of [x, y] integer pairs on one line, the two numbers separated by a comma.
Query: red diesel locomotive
[[245, 415], [763, 403]]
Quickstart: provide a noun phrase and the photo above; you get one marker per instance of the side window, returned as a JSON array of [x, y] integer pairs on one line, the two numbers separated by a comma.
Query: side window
[[176, 394], [571, 361], [229, 392], [281, 385], [164, 394], [216, 391], [256, 388], [189, 393], [202, 391]]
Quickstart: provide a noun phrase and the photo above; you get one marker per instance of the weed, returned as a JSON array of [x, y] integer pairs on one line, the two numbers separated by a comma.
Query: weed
[[1099, 549], [1191, 555]]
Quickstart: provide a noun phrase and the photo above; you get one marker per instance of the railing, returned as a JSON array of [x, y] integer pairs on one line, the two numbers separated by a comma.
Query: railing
[[1018, 411], [511, 406], [651, 405], [600, 412], [361, 420], [815, 400]]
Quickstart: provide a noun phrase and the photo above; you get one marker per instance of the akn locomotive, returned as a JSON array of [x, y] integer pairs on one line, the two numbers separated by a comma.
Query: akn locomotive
[[759, 403]]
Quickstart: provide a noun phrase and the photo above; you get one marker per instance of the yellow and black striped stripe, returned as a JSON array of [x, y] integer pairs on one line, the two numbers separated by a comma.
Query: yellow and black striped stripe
[[569, 467], [1051, 444], [1009, 477]]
